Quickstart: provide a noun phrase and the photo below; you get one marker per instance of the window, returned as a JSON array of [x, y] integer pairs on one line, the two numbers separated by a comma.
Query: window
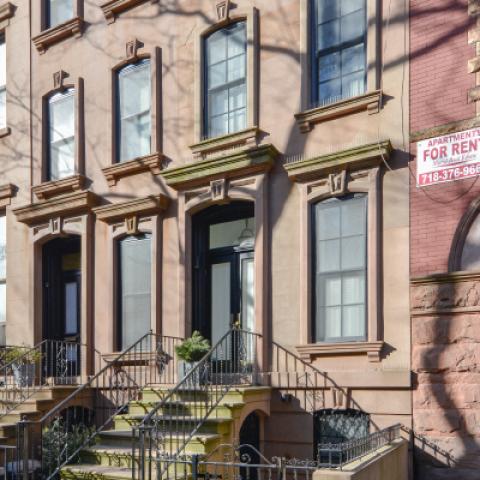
[[61, 135], [134, 111], [3, 278], [225, 96], [339, 50], [58, 11], [470, 259], [3, 83], [134, 284], [340, 246]]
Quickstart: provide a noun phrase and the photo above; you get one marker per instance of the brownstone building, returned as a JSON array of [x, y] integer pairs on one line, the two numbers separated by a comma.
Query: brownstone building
[[172, 166]]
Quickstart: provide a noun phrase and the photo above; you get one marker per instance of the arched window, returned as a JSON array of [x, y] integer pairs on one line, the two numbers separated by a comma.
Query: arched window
[[340, 269], [225, 71], [470, 258], [134, 100]]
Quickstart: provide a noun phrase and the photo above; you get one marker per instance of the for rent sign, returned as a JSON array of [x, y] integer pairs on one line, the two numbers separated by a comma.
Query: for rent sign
[[448, 158]]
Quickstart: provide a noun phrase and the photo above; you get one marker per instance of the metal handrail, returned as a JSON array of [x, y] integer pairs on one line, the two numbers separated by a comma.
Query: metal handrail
[[211, 377], [113, 387]]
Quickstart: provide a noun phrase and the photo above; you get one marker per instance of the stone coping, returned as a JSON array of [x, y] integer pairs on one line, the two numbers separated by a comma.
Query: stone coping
[[235, 164], [368, 155], [447, 277]]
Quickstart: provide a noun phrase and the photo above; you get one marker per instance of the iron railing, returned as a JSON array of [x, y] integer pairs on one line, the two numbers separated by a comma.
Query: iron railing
[[163, 435], [72, 425], [27, 370], [336, 455]]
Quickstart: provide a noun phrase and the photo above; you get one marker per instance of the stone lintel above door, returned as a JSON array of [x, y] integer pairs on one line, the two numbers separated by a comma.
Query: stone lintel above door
[[233, 164]]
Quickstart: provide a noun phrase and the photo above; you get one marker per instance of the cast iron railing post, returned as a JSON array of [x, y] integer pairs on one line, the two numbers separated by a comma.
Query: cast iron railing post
[[194, 467]]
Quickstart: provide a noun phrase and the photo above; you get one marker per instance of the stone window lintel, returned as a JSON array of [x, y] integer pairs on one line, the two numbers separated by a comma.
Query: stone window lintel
[[152, 162], [371, 102], [7, 10], [113, 8], [358, 157], [47, 38]]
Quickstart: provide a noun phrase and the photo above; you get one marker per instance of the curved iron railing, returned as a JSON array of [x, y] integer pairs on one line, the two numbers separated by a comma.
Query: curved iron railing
[[165, 432], [26, 370], [58, 437]]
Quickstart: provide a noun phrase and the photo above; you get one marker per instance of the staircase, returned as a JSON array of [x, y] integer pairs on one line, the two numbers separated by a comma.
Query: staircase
[[111, 457]]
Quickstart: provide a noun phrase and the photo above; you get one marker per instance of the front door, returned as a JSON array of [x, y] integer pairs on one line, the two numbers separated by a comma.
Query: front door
[[223, 270], [61, 307]]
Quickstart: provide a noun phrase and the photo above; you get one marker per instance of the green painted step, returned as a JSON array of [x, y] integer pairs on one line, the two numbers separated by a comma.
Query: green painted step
[[94, 472], [224, 410]]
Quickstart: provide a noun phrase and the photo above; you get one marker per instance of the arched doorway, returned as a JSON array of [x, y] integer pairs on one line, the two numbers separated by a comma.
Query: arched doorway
[[249, 438], [61, 281], [223, 269]]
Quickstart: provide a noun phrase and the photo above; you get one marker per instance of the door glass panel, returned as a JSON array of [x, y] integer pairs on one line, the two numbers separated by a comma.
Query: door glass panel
[[248, 295], [220, 298], [71, 308], [135, 280], [230, 234]]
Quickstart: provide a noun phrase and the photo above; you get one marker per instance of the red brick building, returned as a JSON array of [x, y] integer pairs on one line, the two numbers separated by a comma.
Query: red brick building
[[445, 244]]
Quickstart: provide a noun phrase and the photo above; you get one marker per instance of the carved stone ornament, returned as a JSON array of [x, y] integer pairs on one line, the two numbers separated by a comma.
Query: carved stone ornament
[[132, 48], [56, 226], [58, 78], [337, 183], [131, 225], [219, 190], [223, 10]]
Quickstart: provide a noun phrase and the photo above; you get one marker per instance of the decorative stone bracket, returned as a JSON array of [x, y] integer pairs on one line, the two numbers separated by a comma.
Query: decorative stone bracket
[[6, 193]]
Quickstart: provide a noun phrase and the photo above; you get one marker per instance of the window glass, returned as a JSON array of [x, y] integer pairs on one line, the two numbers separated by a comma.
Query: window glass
[[340, 50], [61, 132], [226, 88], [471, 249], [134, 97], [134, 288], [340, 271], [59, 11]]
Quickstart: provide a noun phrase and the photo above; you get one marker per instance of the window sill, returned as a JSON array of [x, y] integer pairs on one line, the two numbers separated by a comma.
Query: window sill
[[114, 7], [373, 350], [52, 188], [371, 102], [7, 10], [7, 191], [226, 143], [151, 162], [5, 132], [70, 28]]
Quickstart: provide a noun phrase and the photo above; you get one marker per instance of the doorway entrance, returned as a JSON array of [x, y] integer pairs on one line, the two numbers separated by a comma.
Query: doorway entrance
[[223, 269], [61, 264]]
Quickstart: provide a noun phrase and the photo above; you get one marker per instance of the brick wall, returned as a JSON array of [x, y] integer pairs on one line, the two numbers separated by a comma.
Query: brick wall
[[439, 82]]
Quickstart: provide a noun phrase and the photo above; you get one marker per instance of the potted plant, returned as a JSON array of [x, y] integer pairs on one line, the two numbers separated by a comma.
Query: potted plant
[[23, 361], [189, 353]]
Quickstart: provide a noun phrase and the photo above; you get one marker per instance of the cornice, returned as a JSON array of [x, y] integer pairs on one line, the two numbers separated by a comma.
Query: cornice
[[116, 171], [7, 11], [140, 207], [354, 158], [57, 187], [235, 164], [72, 203], [113, 8], [450, 277], [47, 38]]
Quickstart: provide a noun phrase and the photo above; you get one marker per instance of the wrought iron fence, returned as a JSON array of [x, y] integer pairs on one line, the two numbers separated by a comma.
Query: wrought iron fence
[[336, 455], [26, 370], [58, 437], [164, 433]]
